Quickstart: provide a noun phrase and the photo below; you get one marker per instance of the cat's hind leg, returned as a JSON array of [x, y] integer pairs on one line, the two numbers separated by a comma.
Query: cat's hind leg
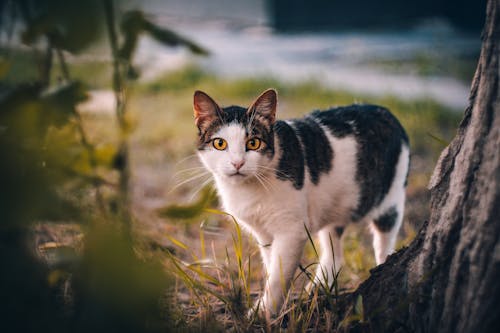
[[385, 228]]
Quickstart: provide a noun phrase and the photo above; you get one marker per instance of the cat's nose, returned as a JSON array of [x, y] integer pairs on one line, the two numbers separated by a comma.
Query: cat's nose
[[237, 165]]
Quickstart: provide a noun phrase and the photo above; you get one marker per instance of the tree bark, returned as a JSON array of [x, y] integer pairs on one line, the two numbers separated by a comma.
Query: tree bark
[[448, 278]]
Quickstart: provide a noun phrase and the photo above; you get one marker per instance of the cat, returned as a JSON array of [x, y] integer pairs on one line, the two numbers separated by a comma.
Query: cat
[[319, 172]]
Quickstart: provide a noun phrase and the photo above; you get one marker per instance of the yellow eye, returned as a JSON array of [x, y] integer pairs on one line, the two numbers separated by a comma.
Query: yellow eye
[[253, 144], [219, 144]]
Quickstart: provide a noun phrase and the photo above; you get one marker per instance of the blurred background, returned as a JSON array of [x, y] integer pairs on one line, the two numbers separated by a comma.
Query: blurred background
[[103, 206], [425, 49]]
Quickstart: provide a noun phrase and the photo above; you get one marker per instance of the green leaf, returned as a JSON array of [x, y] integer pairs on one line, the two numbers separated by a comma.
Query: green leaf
[[438, 139], [60, 102], [104, 154], [114, 281], [70, 25], [132, 24], [177, 242], [170, 38], [189, 211], [66, 94], [135, 22], [22, 114]]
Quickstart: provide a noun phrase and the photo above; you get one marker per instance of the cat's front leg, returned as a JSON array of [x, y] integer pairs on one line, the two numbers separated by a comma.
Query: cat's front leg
[[264, 243], [265, 253], [286, 250], [332, 258]]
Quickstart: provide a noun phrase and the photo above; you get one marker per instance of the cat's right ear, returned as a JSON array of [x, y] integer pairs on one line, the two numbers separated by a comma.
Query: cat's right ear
[[205, 110]]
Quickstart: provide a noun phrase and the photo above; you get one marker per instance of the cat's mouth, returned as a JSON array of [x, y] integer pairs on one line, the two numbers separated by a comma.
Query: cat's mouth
[[237, 174]]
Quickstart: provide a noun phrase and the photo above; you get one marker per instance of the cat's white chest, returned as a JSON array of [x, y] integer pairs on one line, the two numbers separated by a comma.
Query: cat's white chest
[[265, 212], [246, 203]]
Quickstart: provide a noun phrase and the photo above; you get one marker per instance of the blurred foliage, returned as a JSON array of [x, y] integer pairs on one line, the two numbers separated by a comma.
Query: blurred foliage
[[461, 67], [68, 25], [112, 290], [134, 23], [116, 291], [52, 172], [29, 178]]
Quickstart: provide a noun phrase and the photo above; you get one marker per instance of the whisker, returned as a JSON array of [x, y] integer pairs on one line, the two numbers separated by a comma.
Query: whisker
[[268, 183], [261, 182], [186, 158], [188, 170], [267, 180], [188, 180], [206, 182], [278, 172]]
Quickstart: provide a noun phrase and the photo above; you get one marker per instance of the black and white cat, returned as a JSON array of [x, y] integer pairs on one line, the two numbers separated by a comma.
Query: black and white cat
[[319, 172]]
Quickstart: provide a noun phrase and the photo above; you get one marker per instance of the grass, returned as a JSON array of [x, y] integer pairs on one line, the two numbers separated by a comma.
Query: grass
[[426, 64], [221, 290]]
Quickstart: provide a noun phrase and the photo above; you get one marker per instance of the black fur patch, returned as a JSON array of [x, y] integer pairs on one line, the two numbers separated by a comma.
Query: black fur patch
[[386, 221], [379, 136], [318, 153], [291, 163], [336, 120], [228, 115]]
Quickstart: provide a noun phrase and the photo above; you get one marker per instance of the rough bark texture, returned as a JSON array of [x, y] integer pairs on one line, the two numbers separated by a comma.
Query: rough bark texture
[[448, 279]]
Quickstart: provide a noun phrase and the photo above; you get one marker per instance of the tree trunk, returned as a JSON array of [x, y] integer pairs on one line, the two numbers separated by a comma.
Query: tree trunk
[[448, 278]]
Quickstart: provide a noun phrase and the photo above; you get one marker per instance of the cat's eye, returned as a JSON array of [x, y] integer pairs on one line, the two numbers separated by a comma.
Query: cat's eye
[[253, 144], [219, 144]]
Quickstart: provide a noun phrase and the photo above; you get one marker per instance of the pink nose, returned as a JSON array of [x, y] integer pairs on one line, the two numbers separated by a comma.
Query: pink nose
[[238, 165]]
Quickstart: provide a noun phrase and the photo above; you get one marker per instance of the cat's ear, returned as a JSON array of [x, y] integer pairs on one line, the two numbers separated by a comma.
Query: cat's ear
[[205, 110], [265, 106]]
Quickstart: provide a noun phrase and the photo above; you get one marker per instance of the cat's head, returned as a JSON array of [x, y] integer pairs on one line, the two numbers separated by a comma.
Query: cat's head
[[235, 143]]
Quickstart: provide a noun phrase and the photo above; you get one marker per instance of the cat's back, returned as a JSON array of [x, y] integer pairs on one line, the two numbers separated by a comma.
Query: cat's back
[[364, 141], [362, 120]]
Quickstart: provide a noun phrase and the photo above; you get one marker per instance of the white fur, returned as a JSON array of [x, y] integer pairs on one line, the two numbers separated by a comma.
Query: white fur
[[276, 214]]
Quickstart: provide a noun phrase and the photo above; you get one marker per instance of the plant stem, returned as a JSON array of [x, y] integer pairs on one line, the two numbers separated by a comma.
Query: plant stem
[[46, 65], [62, 63], [84, 141], [119, 88], [92, 161]]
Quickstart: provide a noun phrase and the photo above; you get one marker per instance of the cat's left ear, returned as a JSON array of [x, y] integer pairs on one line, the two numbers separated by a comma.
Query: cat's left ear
[[265, 106]]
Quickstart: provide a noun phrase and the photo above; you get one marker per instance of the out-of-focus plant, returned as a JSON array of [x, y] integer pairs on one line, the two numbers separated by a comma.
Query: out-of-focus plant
[[51, 172], [133, 24]]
